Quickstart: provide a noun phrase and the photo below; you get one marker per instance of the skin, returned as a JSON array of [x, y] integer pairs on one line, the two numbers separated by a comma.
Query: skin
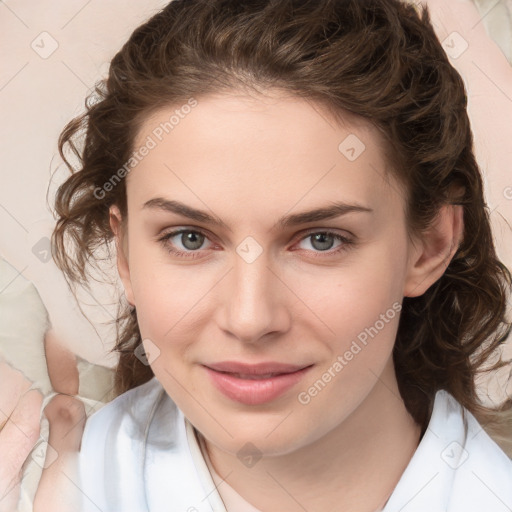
[[66, 416], [250, 160], [19, 413]]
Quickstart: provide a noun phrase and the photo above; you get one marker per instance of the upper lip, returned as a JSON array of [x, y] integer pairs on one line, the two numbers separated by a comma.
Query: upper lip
[[254, 369]]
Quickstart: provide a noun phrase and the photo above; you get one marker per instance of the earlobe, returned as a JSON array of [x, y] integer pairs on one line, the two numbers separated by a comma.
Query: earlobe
[[123, 268], [435, 249]]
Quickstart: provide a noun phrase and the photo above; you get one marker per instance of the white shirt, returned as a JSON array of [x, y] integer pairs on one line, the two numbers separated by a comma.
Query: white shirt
[[140, 454]]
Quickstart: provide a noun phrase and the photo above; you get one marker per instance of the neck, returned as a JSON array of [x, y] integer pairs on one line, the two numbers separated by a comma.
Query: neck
[[355, 467]]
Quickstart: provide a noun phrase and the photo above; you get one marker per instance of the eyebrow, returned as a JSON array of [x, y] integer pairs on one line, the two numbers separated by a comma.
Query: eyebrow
[[333, 210]]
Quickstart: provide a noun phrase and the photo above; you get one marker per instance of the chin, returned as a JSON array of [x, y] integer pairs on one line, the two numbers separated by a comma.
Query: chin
[[259, 436]]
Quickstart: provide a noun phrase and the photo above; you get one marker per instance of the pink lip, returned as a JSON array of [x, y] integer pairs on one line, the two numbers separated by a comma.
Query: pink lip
[[254, 391]]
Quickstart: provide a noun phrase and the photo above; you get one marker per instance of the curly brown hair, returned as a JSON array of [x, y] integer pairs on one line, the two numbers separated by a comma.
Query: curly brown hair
[[379, 59]]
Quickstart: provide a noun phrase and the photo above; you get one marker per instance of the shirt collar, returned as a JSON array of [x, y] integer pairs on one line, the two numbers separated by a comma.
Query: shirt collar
[[455, 467]]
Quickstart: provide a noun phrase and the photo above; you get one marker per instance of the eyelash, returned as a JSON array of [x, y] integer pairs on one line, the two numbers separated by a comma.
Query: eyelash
[[346, 243]]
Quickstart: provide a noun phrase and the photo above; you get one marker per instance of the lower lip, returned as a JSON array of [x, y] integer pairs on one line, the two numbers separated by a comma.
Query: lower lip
[[252, 391]]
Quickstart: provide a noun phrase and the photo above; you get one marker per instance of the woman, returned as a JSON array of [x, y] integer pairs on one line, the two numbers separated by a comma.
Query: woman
[[310, 278]]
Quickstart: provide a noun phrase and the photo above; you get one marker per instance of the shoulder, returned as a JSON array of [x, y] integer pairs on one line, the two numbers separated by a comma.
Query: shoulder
[[457, 422], [457, 467], [135, 456], [482, 470], [112, 448], [129, 408]]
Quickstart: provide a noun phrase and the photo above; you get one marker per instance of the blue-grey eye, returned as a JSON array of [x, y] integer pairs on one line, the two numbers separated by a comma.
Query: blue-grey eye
[[322, 241], [192, 240]]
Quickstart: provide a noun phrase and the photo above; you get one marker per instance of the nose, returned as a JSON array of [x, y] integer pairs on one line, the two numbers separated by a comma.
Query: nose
[[254, 307]]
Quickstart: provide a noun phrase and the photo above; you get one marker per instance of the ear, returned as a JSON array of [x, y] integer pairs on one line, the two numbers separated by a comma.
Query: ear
[[433, 250], [122, 251]]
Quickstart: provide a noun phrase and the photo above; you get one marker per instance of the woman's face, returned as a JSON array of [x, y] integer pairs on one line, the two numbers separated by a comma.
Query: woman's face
[[257, 277]]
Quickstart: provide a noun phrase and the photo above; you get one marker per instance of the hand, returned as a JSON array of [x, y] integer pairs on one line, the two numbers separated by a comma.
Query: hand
[[56, 491], [20, 432], [19, 415]]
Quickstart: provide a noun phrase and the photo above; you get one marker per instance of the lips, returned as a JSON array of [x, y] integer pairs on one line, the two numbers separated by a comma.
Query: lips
[[253, 377], [254, 384], [259, 369]]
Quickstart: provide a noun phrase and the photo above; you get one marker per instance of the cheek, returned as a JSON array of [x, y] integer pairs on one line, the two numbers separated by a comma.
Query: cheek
[[161, 291], [362, 310], [362, 313], [349, 299], [170, 304]]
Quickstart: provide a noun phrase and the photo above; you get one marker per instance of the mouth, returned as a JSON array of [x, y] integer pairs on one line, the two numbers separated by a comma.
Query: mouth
[[254, 384], [253, 377]]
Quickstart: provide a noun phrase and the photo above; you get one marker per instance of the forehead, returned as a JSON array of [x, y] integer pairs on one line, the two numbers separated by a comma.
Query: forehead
[[263, 114], [272, 148]]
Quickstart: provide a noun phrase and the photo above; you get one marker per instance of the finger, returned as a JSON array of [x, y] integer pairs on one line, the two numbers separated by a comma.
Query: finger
[[66, 416], [17, 439], [61, 362], [9, 500], [13, 386]]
